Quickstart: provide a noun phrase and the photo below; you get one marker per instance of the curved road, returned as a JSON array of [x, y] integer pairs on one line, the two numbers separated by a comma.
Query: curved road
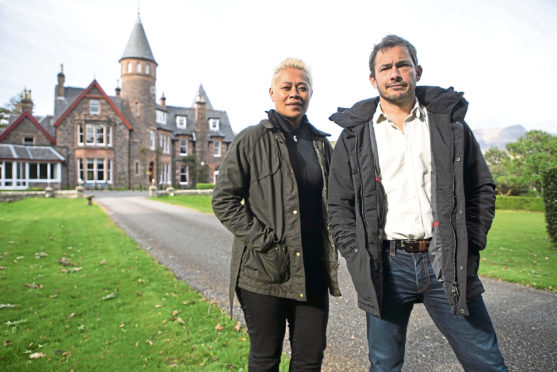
[[196, 248]]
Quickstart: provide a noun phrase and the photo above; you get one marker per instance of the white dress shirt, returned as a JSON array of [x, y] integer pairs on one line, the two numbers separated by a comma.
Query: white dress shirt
[[405, 166]]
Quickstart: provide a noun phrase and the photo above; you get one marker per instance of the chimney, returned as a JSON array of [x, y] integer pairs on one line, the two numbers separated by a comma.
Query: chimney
[[26, 102], [163, 102], [200, 109], [61, 80]]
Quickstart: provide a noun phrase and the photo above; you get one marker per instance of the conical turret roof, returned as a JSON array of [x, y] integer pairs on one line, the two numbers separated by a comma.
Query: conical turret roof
[[138, 46]]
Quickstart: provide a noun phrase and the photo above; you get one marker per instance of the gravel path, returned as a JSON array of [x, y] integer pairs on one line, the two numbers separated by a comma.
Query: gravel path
[[196, 247]]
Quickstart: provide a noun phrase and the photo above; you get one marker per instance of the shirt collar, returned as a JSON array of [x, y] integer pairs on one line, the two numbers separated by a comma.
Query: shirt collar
[[418, 111]]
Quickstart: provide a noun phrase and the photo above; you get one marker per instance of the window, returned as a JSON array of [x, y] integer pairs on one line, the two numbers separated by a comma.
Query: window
[[161, 117], [181, 121], [153, 140], [94, 107], [138, 67], [184, 175], [79, 165], [165, 174], [164, 143], [214, 124], [215, 175], [96, 135], [100, 138], [28, 140], [100, 169], [147, 69], [109, 172], [90, 134], [137, 109], [183, 147], [130, 67], [80, 134], [217, 146], [90, 170]]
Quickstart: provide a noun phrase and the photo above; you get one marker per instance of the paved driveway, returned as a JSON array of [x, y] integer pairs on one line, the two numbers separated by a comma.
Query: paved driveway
[[196, 247]]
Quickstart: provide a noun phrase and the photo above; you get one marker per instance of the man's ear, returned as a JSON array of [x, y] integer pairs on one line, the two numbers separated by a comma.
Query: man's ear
[[373, 81], [419, 71]]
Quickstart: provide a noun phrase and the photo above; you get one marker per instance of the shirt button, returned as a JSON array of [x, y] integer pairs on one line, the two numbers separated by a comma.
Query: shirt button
[[457, 159], [462, 311], [294, 212], [461, 268]]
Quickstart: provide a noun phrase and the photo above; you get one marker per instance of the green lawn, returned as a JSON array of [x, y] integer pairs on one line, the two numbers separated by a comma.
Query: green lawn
[[76, 293], [519, 250]]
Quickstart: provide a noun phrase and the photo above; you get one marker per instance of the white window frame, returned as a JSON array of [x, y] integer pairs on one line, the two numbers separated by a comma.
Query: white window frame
[[183, 146], [161, 117], [164, 142], [181, 121], [217, 148], [184, 171], [24, 142], [214, 124], [94, 107], [109, 139], [79, 169], [165, 174], [147, 70], [80, 135], [153, 140]]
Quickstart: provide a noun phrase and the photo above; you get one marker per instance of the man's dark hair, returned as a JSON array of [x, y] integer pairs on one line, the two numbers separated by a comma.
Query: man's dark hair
[[388, 42]]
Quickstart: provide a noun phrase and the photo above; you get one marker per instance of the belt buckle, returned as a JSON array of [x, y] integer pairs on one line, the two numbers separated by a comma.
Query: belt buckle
[[409, 242]]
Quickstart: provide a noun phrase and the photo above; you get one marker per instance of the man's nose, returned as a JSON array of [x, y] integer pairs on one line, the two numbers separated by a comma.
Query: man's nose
[[395, 74]]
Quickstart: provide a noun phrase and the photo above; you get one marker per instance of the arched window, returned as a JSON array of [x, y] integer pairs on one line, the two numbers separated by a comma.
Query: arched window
[[130, 67], [147, 68], [138, 67]]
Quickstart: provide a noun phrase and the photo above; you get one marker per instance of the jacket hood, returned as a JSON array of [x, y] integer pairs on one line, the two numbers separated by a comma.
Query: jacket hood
[[437, 100]]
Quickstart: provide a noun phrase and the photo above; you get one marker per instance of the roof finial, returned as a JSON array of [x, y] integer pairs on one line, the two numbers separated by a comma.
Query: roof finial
[[138, 12]]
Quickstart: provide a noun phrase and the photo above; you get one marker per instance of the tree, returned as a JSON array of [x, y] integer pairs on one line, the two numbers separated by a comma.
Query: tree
[[532, 155], [498, 162], [13, 106]]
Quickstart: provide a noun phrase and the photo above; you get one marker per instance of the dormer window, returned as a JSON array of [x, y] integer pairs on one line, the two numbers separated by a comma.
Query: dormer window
[[28, 140], [181, 121], [214, 124], [161, 117], [94, 107]]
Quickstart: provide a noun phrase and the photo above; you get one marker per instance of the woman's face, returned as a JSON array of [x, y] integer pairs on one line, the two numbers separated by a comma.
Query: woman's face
[[291, 94]]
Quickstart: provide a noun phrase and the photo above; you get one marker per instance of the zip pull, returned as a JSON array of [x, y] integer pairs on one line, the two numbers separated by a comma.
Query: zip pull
[[295, 138]]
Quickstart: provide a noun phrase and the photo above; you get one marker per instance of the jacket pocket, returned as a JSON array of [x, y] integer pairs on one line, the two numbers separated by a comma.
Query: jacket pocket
[[270, 266]]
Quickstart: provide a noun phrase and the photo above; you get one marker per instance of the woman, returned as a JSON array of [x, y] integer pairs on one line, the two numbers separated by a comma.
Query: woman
[[270, 194]]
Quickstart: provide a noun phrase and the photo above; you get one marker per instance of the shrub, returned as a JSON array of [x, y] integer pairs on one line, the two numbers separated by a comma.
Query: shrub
[[519, 203], [550, 199], [205, 186]]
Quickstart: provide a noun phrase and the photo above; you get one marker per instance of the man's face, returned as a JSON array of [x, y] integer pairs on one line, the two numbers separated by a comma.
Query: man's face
[[396, 75]]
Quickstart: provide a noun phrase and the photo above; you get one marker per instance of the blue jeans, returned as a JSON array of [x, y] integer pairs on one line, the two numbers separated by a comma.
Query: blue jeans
[[409, 279]]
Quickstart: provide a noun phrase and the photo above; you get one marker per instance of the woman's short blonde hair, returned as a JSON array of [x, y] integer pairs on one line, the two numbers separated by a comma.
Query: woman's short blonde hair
[[292, 63]]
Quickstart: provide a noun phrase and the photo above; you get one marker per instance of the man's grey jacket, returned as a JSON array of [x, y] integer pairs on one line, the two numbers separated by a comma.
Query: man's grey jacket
[[463, 199]]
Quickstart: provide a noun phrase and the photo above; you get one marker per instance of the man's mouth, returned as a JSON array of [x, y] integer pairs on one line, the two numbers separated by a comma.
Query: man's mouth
[[397, 85]]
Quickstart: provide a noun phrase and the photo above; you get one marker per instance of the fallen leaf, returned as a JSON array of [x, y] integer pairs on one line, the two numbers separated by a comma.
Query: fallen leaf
[[37, 355], [72, 315], [122, 325], [218, 327], [139, 293], [149, 342], [109, 296], [158, 306], [7, 343], [6, 306], [175, 312], [103, 261], [180, 320], [238, 326]]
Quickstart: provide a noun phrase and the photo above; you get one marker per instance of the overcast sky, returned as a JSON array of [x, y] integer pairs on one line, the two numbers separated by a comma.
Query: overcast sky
[[501, 53]]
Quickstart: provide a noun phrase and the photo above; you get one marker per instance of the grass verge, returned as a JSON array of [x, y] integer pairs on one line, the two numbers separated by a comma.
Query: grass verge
[[518, 250], [76, 293]]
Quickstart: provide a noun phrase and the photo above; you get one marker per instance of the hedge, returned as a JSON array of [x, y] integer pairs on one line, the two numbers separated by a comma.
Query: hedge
[[205, 186], [550, 199], [519, 203]]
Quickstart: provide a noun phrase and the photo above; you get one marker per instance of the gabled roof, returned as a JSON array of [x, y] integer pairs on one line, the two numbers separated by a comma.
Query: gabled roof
[[27, 115], [138, 46], [87, 93]]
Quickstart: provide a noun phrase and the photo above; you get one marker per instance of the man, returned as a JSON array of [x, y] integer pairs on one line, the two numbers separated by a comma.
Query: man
[[410, 203]]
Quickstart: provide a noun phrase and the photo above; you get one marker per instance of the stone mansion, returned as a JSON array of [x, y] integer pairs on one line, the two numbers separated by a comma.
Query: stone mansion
[[128, 140]]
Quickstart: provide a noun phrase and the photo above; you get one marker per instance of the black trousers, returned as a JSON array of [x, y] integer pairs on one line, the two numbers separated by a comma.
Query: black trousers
[[266, 318]]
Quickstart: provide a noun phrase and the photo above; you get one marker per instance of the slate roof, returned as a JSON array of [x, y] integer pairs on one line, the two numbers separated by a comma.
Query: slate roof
[[138, 45], [19, 119], [29, 153]]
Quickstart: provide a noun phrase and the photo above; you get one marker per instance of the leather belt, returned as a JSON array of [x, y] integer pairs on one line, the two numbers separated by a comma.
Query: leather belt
[[410, 246]]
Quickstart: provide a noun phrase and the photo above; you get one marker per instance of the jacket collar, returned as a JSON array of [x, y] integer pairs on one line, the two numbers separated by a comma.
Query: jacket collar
[[266, 123], [437, 100]]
